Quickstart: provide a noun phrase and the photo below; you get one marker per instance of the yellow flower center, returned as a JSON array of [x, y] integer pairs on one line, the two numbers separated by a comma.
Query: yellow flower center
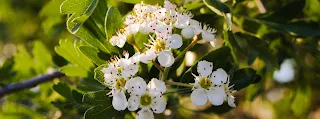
[[145, 100], [120, 83], [159, 45], [205, 83]]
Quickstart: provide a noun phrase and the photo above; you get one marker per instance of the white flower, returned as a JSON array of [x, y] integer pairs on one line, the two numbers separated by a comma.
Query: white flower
[[206, 32], [211, 86], [119, 40], [161, 48], [286, 72], [116, 76], [150, 100]]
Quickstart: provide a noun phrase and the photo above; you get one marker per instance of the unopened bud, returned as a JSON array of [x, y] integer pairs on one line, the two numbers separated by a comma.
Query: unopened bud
[[187, 32]]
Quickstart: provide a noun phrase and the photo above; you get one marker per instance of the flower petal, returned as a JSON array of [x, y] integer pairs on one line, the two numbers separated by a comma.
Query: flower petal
[[133, 103], [231, 101], [199, 97], [145, 114], [219, 76], [207, 36], [216, 96], [165, 58], [159, 105], [187, 32], [136, 86], [204, 68], [174, 41], [148, 56], [156, 87], [119, 101]]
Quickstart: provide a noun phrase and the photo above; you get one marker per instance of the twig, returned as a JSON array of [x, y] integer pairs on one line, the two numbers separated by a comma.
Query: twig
[[11, 88], [260, 6], [170, 82]]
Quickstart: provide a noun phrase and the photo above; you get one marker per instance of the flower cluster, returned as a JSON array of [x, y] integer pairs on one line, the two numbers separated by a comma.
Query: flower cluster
[[212, 86], [159, 23]]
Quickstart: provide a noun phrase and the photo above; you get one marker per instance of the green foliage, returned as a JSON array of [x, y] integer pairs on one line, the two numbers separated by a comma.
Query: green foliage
[[92, 53], [101, 105], [80, 10], [113, 22], [80, 64], [217, 6]]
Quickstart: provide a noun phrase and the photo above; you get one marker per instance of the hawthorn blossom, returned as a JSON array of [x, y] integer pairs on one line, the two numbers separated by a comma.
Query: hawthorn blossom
[[118, 72], [212, 86], [146, 97]]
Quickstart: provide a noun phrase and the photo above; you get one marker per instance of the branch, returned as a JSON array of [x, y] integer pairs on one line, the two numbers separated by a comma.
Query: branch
[[11, 88]]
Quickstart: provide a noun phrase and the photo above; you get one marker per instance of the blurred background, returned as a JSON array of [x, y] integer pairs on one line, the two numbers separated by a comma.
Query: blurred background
[[287, 59]]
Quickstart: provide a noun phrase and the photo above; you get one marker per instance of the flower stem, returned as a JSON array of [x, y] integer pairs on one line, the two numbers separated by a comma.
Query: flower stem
[[170, 82], [194, 42], [154, 63], [164, 75]]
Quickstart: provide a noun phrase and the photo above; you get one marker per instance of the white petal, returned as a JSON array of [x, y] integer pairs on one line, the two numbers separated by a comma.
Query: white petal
[[119, 101], [231, 101], [199, 97], [130, 70], [187, 32], [216, 97], [148, 56], [145, 114], [174, 41], [204, 68], [156, 87], [159, 105], [133, 103], [165, 58], [169, 5], [133, 28], [137, 86], [219, 76], [207, 36]]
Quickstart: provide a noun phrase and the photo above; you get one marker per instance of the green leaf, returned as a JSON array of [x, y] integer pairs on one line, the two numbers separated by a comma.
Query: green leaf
[[232, 43], [258, 48], [79, 62], [98, 74], [113, 22], [152, 2], [243, 78], [97, 98], [302, 100], [23, 62], [77, 96], [6, 71], [64, 90], [220, 58], [74, 70], [140, 39], [285, 13], [295, 28], [51, 14], [92, 53], [80, 10], [100, 112], [42, 57], [217, 6], [311, 9]]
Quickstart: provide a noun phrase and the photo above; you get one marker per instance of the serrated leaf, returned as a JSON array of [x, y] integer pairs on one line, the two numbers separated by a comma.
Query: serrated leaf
[[64, 90], [220, 58], [152, 2], [42, 57], [92, 53], [113, 22], [97, 98], [100, 112], [217, 6], [80, 10], [79, 62], [98, 74], [243, 78]]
